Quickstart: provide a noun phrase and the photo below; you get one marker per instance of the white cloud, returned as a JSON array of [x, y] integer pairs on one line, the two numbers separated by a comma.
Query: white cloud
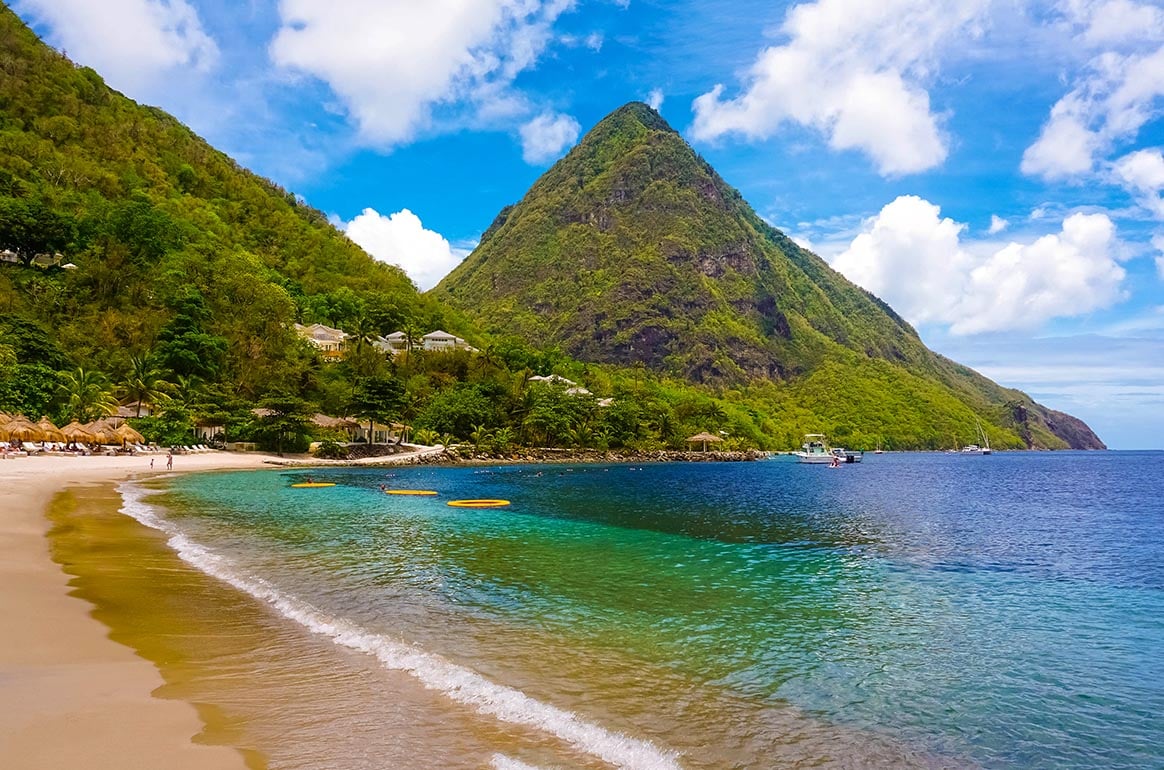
[[132, 43], [400, 239], [853, 71], [1117, 92], [915, 259], [391, 62], [655, 99], [997, 224], [1158, 243], [1142, 174], [546, 136]]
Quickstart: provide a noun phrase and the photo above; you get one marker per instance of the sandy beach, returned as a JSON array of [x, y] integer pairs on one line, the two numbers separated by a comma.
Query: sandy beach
[[69, 696]]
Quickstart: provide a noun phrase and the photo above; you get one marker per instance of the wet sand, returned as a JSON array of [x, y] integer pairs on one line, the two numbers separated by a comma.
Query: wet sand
[[70, 696]]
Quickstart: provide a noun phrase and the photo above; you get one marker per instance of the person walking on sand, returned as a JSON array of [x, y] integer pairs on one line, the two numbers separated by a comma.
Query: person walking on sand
[[151, 463], [170, 461]]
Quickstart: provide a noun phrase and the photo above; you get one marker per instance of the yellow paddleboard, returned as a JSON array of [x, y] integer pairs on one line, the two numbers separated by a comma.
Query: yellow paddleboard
[[409, 492], [478, 503], [312, 484]]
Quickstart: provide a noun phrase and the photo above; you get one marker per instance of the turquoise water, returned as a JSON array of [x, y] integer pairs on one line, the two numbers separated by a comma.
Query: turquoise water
[[914, 610]]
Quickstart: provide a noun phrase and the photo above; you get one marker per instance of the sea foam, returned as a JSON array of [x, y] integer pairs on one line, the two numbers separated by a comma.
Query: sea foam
[[458, 683]]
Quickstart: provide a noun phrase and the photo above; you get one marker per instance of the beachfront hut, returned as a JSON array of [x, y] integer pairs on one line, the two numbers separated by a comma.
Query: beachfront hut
[[704, 438], [50, 432], [127, 434], [75, 432]]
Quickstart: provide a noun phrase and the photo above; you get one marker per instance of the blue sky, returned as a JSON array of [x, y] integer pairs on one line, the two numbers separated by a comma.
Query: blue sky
[[992, 168]]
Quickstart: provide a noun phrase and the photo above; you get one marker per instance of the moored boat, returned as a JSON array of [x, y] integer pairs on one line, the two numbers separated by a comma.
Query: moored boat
[[847, 455], [815, 450]]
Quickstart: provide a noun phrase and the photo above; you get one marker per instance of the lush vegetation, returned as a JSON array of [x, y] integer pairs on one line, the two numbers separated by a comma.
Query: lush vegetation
[[187, 274], [631, 250]]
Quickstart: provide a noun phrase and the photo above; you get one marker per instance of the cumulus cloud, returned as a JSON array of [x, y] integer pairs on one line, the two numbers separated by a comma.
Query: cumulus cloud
[[1142, 174], [655, 99], [400, 239], [997, 224], [1158, 242], [1114, 95], [546, 136], [915, 259], [392, 61], [853, 71], [132, 43]]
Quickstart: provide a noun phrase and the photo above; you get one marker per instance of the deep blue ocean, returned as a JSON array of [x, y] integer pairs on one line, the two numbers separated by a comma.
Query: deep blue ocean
[[914, 610]]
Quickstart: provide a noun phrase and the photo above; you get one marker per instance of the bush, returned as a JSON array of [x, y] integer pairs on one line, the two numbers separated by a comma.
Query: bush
[[330, 450]]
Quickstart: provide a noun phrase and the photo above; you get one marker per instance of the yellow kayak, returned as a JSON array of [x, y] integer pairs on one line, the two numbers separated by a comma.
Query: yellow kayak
[[409, 492], [478, 503], [312, 484]]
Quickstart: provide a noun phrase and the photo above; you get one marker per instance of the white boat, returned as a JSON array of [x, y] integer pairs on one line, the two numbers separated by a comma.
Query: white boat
[[978, 449], [815, 450], [847, 455]]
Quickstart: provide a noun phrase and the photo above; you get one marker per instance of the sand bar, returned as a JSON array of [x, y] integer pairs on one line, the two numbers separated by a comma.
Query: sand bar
[[70, 696]]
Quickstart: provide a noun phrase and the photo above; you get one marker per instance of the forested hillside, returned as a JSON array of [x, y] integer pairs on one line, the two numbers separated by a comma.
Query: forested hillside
[[148, 266], [633, 250], [184, 261]]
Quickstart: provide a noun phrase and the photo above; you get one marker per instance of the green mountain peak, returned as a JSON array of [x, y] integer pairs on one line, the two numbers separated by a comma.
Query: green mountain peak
[[632, 250]]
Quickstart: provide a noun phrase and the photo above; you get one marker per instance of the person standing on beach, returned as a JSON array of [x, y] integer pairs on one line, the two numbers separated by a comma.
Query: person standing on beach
[[170, 461]]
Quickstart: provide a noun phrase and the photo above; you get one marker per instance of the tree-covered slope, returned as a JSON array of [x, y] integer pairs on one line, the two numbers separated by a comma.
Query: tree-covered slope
[[633, 250], [180, 254]]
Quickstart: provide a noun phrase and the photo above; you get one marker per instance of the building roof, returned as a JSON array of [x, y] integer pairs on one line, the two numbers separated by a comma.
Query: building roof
[[440, 334]]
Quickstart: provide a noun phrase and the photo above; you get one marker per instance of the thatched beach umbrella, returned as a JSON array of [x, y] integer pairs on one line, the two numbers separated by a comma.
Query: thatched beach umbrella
[[102, 433], [50, 431], [75, 432], [21, 429], [704, 438], [127, 433]]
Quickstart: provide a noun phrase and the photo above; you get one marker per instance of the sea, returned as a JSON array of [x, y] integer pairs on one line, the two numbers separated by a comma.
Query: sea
[[915, 610]]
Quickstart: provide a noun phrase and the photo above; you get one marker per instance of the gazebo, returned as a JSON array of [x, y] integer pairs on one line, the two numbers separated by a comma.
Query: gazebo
[[704, 438]]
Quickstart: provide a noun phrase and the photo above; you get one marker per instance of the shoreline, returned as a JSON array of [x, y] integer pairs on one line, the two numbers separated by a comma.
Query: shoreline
[[73, 697]]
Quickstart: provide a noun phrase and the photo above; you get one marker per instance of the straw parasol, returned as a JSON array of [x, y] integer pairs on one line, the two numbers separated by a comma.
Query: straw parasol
[[704, 438], [50, 431], [75, 432], [126, 433], [100, 430], [21, 429]]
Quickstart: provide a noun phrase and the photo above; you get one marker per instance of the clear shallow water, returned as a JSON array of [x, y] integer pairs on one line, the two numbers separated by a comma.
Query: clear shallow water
[[916, 610]]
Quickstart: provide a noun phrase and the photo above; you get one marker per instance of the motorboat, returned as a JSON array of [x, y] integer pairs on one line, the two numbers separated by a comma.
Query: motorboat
[[815, 450], [847, 455]]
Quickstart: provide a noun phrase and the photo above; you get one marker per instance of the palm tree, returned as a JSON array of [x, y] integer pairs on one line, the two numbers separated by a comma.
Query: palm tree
[[479, 435], [87, 394], [186, 390], [425, 436], [144, 383]]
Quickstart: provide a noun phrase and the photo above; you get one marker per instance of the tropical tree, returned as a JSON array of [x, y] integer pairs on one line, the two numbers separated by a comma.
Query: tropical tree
[[377, 399], [286, 424], [502, 439], [426, 436], [86, 394], [479, 435], [144, 383]]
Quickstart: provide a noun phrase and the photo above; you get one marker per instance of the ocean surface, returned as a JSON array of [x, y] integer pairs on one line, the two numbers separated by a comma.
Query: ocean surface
[[916, 610]]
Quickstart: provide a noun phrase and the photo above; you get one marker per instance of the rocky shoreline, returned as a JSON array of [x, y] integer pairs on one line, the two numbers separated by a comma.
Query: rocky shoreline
[[461, 455]]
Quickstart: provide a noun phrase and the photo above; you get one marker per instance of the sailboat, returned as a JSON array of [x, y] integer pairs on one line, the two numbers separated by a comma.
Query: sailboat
[[978, 449]]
